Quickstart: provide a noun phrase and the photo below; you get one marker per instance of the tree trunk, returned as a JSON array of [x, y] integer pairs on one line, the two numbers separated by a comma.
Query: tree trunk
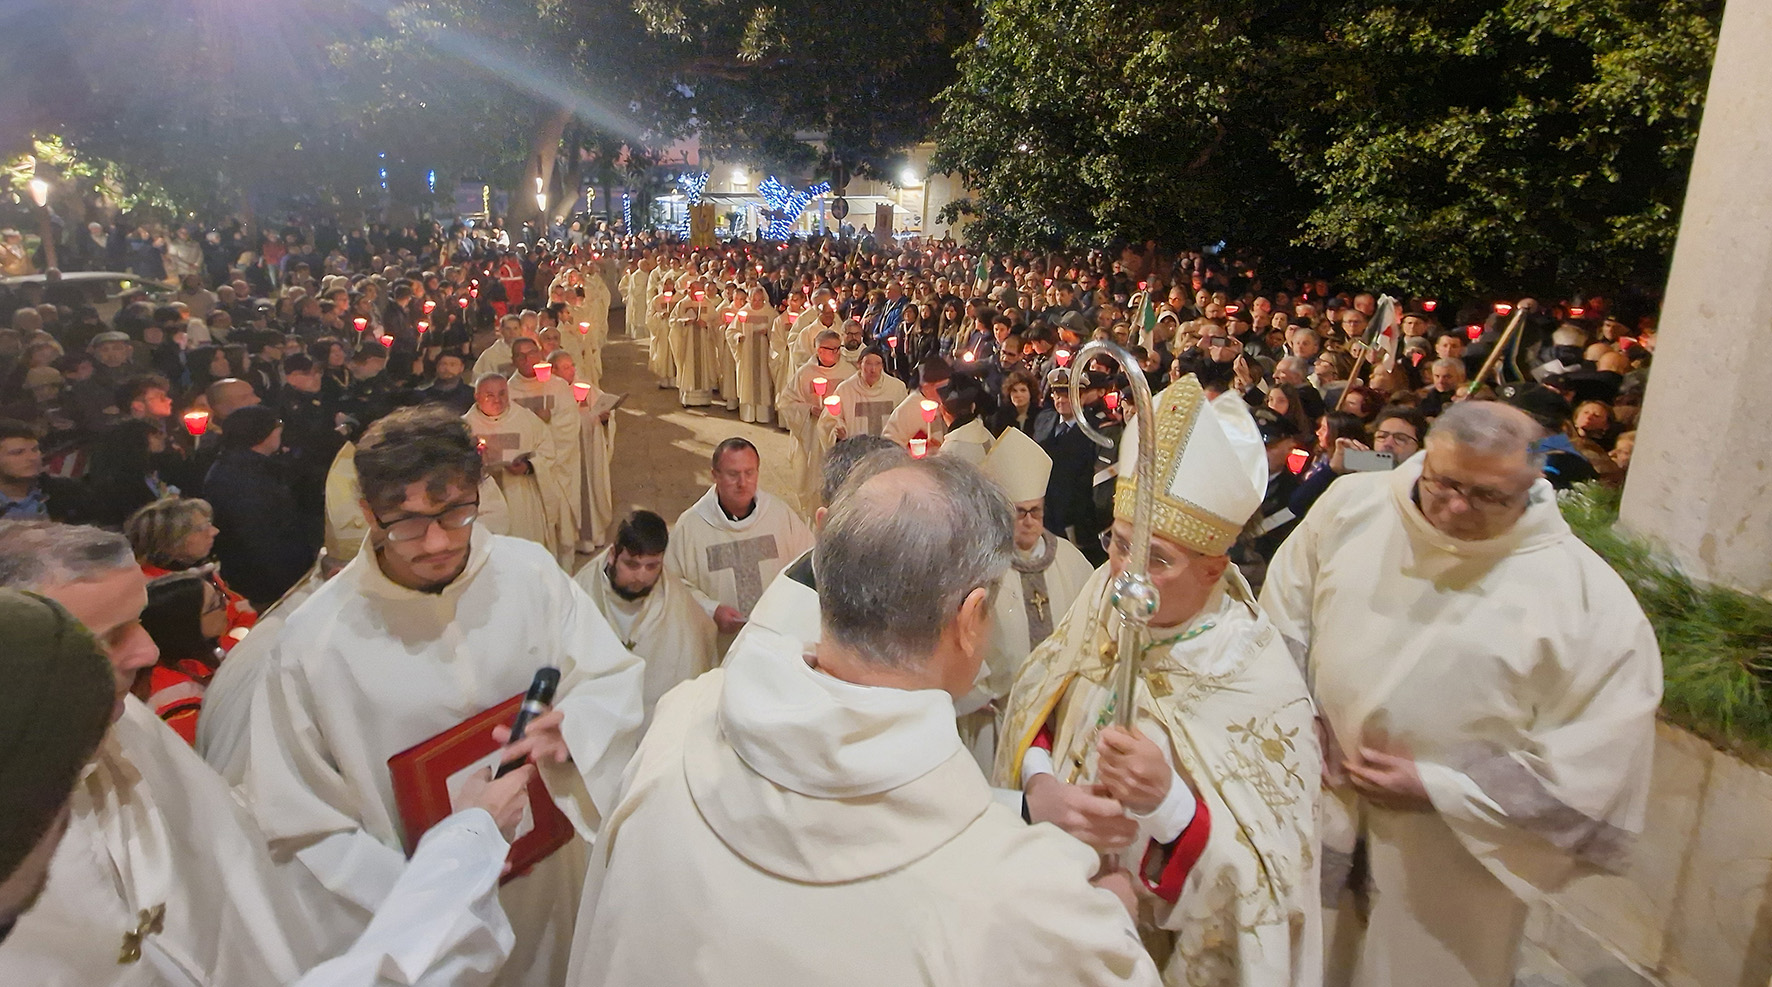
[[543, 150]]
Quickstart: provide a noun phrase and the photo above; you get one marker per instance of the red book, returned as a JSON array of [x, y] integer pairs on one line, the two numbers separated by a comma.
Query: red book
[[424, 774]]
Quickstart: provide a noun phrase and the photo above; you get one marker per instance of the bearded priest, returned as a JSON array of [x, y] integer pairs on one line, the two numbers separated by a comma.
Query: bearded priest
[[1209, 799], [656, 617]]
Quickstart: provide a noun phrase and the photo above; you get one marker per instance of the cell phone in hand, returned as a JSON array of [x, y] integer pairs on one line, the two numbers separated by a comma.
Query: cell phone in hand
[[1367, 461]]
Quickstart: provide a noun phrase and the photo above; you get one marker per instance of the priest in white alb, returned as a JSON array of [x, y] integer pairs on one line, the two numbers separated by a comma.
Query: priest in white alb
[[1045, 576], [659, 358], [812, 818], [162, 878], [750, 337], [654, 614], [1210, 796], [516, 447], [801, 403], [864, 401], [1487, 686], [534, 388], [434, 623], [821, 315], [729, 544], [497, 357], [781, 337], [919, 416], [693, 338], [596, 441]]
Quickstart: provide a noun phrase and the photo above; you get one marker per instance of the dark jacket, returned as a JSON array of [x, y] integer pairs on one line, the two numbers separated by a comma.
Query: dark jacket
[[266, 544]]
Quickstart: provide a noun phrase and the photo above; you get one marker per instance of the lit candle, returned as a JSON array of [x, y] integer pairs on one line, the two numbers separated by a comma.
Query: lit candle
[[1064, 357], [581, 390], [971, 356], [1111, 399], [544, 371], [698, 296], [584, 327], [834, 405], [892, 341], [1429, 305], [1296, 460], [196, 421], [473, 293], [429, 305], [929, 410], [463, 302], [819, 385], [423, 327], [1142, 285], [360, 322], [1503, 308], [1473, 332], [1574, 313], [919, 448]]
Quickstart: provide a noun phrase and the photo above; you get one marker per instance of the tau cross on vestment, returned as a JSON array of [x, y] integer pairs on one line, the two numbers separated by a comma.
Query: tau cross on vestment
[[745, 557]]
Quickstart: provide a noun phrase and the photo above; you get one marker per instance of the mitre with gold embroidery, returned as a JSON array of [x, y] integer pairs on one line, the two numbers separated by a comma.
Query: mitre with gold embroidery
[[1211, 468]]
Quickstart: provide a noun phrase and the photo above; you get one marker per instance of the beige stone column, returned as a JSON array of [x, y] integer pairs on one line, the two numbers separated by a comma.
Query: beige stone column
[[1701, 475]]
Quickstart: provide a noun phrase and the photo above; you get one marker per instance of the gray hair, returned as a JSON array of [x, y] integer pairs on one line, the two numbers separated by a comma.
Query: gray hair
[[1568, 335], [486, 378], [1492, 429], [826, 334], [37, 555], [1450, 363], [841, 461], [900, 551]]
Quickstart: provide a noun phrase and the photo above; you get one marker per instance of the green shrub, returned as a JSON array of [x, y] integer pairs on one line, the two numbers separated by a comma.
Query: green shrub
[[1716, 643]]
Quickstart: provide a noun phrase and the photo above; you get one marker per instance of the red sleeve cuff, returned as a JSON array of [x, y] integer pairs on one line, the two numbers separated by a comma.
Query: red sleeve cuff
[[1182, 854], [1043, 739]]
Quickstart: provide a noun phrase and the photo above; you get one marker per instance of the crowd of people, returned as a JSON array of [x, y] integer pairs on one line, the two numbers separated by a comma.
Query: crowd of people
[[340, 491]]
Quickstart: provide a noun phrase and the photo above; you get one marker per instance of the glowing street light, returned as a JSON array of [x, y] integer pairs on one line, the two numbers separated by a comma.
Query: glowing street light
[[45, 229]]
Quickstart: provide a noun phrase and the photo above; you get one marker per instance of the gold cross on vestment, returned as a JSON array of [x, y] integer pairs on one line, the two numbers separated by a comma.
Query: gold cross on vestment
[[151, 921], [1038, 601]]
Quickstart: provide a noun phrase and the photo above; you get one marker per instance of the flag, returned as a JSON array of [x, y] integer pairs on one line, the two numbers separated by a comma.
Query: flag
[[1147, 319], [1383, 333], [982, 277]]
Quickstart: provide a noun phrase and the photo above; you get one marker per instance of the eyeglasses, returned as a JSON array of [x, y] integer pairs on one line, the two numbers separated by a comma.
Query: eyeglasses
[[1407, 438], [415, 526], [1480, 498], [1113, 544], [1031, 513]]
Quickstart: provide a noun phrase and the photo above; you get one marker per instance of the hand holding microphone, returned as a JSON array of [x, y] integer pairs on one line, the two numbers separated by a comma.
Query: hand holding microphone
[[535, 733]]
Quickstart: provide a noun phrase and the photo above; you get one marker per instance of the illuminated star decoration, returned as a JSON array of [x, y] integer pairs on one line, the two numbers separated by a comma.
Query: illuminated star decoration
[[692, 186], [627, 213], [787, 203]]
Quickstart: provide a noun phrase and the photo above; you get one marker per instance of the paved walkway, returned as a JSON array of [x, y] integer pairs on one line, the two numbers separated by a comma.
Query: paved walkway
[[662, 448]]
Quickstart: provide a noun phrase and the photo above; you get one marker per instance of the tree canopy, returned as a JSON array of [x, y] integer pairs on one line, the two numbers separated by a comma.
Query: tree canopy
[[1430, 145]]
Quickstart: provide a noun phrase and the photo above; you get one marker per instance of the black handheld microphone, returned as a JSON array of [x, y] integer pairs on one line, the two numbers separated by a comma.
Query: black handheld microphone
[[535, 703]]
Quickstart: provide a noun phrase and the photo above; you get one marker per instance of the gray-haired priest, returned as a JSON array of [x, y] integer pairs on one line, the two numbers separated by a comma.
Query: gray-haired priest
[[1488, 688], [798, 818], [1210, 799]]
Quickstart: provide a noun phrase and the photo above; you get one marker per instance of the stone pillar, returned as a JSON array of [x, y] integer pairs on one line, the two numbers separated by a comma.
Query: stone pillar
[[1701, 475]]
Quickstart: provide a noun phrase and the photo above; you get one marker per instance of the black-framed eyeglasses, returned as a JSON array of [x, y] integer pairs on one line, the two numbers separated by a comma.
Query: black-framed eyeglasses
[[1406, 437], [416, 526], [1035, 513], [1479, 497]]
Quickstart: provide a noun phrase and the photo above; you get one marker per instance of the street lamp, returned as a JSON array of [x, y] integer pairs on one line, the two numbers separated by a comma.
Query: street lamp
[[45, 229]]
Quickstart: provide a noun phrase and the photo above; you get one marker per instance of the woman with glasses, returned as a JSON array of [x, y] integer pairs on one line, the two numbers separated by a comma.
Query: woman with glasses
[[174, 535], [186, 615]]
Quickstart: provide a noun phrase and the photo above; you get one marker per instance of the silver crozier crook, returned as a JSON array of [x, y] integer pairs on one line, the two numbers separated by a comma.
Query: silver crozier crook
[[1134, 596]]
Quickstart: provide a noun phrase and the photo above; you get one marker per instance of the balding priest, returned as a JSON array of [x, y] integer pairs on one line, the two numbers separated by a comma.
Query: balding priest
[[1210, 799], [729, 544], [800, 817], [1045, 576]]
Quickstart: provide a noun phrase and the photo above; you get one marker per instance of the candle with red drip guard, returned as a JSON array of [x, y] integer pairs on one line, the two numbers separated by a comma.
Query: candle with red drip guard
[[834, 405], [1429, 305], [1503, 308], [580, 391], [429, 306], [929, 409], [1296, 460], [360, 322], [544, 371], [819, 386], [584, 327], [1111, 399], [196, 421], [1474, 332], [1064, 357], [919, 448]]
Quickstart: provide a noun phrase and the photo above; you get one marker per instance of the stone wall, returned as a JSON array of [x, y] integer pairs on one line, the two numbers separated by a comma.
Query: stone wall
[[1695, 907]]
